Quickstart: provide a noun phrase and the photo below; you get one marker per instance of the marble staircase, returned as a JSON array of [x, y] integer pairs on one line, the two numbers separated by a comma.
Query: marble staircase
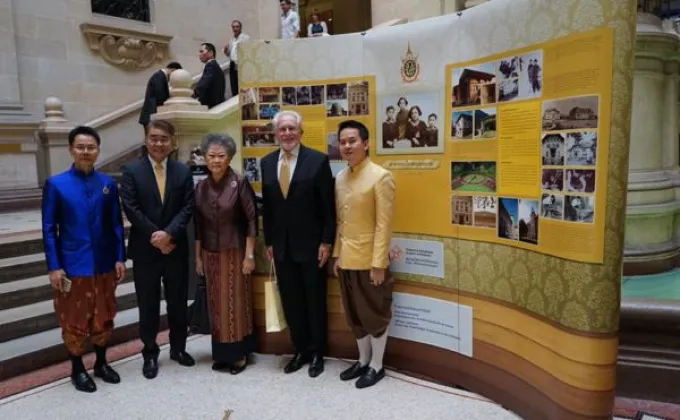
[[30, 337]]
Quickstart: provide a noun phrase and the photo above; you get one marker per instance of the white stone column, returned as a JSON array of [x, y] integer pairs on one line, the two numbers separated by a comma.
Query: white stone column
[[53, 154], [650, 243], [10, 94]]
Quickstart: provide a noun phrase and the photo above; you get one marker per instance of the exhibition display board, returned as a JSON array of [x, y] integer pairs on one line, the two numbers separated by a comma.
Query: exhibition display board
[[506, 129]]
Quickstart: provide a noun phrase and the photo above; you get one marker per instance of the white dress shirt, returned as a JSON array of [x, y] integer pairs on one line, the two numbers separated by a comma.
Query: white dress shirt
[[292, 161], [233, 49], [290, 25]]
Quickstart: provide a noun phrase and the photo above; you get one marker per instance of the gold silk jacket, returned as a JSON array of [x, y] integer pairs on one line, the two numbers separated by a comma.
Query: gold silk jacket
[[364, 198]]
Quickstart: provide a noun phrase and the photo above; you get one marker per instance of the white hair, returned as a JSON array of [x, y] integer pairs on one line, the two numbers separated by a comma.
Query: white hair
[[281, 114]]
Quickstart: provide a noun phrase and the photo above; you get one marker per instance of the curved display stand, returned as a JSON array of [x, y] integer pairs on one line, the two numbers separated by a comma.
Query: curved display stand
[[508, 225]]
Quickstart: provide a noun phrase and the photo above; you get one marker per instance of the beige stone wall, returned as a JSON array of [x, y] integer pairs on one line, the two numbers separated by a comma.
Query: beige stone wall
[[386, 10], [53, 58]]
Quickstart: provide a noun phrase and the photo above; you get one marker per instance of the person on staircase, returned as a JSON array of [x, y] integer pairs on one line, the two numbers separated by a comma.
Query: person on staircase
[[157, 92], [210, 89], [84, 243], [158, 199], [365, 194]]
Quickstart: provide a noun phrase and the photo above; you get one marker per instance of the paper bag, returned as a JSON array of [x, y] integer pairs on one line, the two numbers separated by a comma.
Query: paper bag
[[276, 320]]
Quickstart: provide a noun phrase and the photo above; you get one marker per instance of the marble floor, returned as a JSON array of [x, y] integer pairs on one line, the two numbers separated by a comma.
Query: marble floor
[[261, 392]]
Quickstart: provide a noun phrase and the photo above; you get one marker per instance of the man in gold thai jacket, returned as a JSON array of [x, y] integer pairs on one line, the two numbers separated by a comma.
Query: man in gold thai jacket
[[365, 195]]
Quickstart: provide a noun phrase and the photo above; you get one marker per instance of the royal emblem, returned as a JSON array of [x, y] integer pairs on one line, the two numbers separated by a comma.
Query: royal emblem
[[105, 190], [410, 67]]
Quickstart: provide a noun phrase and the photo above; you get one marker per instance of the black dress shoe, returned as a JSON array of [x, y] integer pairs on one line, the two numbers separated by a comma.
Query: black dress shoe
[[83, 382], [296, 363], [182, 357], [353, 371], [220, 366], [370, 378], [107, 374], [316, 366], [150, 368], [237, 368]]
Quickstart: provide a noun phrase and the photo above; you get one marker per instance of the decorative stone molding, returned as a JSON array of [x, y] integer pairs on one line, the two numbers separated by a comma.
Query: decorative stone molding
[[126, 48]]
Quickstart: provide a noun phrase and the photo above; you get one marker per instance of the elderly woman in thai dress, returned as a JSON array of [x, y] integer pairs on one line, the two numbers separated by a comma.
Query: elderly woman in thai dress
[[226, 226]]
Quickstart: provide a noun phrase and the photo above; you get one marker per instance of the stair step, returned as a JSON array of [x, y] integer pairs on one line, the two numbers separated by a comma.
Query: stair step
[[42, 349], [23, 267], [27, 242], [34, 289], [38, 317]]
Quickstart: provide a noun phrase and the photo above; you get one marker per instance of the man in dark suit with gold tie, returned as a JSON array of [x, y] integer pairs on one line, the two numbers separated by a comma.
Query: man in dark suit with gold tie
[[299, 228], [157, 92], [158, 199]]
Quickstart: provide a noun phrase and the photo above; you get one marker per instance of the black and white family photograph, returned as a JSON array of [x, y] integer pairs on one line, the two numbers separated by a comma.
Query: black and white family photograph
[[580, 180], [552, 206], [578, 208], [552, 179], [552, 149], [303, 95], [531, 75], [474, 85], [508, 75], [411, 124], [251, 169], [288, 96], [576, 113], [318, 94], [581, 148], [336, 92]]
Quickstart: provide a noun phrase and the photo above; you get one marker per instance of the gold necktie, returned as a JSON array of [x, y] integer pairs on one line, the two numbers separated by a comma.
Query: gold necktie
[[284, 176], [160, 180]]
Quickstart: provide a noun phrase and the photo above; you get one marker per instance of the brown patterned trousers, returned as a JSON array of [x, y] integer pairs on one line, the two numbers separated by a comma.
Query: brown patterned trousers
[[87, 310]]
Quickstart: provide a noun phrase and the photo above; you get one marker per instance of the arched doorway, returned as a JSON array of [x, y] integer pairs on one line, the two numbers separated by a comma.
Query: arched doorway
[[341, 16]]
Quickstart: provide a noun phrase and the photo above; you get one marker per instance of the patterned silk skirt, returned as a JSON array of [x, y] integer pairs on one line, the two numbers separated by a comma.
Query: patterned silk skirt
[[230, 301]]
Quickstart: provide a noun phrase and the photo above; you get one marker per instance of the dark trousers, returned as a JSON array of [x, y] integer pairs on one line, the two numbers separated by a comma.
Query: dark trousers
[[174, 273], [233, 78], [303, 296]]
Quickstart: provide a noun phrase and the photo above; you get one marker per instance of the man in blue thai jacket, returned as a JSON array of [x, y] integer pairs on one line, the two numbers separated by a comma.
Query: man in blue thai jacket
[[84, 246]]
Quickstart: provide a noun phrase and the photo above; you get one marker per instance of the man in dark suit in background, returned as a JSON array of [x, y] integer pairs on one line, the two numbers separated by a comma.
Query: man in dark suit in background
[[210, 89], [158, 200], [157, 92], [299, 228]]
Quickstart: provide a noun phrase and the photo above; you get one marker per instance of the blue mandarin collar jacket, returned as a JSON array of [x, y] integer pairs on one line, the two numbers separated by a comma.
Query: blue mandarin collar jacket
[[82, 223]]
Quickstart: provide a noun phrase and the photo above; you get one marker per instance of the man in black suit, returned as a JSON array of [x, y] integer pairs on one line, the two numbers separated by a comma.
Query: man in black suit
[[210, 89], [157, 92], [299, 228], [158, 200]]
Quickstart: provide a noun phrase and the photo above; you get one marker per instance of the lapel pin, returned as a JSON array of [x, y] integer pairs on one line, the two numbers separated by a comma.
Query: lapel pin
[[105, 190], [233, 184]]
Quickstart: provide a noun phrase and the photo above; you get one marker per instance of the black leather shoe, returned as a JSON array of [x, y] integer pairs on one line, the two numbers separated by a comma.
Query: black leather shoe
[[107, 374], [217, 366], [353, 372], [237, 368], [316, 366], [370, 378], [296, 363], [150, 368], [83, 382], [182, 357]]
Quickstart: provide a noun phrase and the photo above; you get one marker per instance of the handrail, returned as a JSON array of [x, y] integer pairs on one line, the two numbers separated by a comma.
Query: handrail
[[136, 106]]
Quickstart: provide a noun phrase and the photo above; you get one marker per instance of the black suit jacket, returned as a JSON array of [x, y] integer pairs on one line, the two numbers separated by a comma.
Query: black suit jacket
[[157, 92], [147, 214], [305, 219], [210, 89]]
